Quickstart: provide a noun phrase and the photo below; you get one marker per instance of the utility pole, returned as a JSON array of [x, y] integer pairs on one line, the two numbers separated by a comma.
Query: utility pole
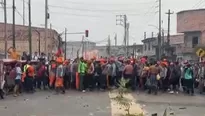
[[127, 39], [46, 25], [163, 48], [83, 47], [115, 39], [169, 13], [159, 35], [13, 26], [108, 46], [5, 29], [125, 33], [30, 35], [24, 12], [65, 43], [145, 35], [123, 18]]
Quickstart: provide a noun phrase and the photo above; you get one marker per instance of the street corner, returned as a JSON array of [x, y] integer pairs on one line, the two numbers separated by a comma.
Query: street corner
[[117, 109]]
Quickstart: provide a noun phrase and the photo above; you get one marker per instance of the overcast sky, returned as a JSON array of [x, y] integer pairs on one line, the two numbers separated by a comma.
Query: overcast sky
[[99, 16]]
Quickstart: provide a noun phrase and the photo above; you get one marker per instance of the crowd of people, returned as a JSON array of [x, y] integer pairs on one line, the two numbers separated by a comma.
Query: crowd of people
[[102, 74]]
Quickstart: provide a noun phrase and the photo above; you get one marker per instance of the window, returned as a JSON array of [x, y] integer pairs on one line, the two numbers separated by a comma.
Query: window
[[195, 41], [149, 46]]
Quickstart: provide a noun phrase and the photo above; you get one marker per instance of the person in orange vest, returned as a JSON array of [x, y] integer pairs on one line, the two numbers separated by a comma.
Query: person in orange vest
[[52, 74], [30, 72], [59, 76]]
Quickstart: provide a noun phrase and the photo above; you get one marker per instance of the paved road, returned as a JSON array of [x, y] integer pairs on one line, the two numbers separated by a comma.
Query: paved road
[[73, 103], [181, 105]]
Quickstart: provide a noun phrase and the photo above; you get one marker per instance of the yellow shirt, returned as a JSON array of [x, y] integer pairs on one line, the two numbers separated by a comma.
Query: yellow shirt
[[14, 55]]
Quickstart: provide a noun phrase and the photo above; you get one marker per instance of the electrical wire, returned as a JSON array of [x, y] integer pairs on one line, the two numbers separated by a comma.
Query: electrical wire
[[198, 3], [19, 14], [89, 10], [60, 13], [80, 3]]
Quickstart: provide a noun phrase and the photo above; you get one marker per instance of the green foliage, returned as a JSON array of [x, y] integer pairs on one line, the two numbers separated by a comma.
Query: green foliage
[[122, 90], [123, 101]]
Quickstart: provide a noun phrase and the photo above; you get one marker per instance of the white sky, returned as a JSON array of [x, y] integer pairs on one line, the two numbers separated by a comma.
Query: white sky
[[99, 16]]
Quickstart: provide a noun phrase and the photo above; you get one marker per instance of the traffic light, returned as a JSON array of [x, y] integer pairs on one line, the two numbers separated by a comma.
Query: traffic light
[[86, 33]]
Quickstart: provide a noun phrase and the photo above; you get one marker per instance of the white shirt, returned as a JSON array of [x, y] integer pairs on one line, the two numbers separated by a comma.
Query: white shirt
[[35, 57]]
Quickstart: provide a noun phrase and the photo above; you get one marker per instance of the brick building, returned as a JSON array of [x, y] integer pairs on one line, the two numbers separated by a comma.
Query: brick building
[[192, 24], [22, 39]]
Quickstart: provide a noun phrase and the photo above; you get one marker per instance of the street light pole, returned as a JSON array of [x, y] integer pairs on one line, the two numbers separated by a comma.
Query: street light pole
[[5, 28], [39, 41], [13, 26], [30, 34], [160, 31], [65, 43]]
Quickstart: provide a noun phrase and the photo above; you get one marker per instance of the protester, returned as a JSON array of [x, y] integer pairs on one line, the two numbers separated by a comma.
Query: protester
[[152, 78], [35, 56], [59, 76], [128, 74], [105, 73], [17, 80], [67, 76], [189, 79], [30, 73], [42, 76], [52, 74], [82, 72]]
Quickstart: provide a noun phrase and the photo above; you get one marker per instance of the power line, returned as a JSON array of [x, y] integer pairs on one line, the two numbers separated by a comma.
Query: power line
[[198, 3], [81, 3], [60, 13], [83, 15], [19, 14], [90, 10]]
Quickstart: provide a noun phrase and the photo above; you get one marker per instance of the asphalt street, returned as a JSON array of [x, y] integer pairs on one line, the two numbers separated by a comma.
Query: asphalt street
[[176, 104], [74, 103]]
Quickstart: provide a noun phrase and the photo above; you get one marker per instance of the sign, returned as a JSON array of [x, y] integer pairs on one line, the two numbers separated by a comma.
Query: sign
[[200, 52]]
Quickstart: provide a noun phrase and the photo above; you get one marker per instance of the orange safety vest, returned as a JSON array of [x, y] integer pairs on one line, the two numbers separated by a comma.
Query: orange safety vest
[[31, 71]]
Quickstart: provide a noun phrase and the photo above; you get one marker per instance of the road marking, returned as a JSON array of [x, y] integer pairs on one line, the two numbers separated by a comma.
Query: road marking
[[116, 110]]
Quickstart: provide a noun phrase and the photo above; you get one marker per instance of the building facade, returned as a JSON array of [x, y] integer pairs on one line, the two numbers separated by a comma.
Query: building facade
[[90, 49], [21, 39], [133, 50], [192, 24], [78, 48], [149, 45]]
